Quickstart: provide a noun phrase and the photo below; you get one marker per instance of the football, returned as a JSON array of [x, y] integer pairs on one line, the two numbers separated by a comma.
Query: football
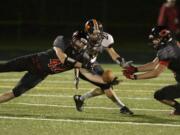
[[108, 76]]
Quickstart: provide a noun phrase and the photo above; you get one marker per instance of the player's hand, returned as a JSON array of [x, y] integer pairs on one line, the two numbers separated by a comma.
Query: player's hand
[[88, 65], [115, 81], [129, 75], [125, 63], [131, 69]]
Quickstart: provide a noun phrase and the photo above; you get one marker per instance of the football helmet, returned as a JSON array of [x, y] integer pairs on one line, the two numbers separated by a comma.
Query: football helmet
[[94, 30], [159, 36], [79, 41]]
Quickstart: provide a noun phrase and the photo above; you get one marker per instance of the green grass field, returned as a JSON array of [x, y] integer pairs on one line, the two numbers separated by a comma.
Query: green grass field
[[49, 109]]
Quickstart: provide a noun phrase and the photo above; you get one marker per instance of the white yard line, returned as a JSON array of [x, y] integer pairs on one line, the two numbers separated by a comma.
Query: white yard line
[[83, 82], [70, 96], [88, 107], [82, 89], [90, 121]]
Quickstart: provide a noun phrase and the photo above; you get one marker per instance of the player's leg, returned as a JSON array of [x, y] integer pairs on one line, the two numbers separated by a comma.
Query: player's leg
[[27, 82], [115, 99], [103, 87], [96, 80], [23, 63], [167, 95]]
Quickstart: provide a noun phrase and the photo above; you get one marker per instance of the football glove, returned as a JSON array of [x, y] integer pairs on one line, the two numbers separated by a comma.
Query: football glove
[[131, 69], [115, 81], [129, 75], [123, 63]]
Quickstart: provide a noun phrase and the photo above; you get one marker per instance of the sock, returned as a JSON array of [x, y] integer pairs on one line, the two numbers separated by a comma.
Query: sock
[[86, 96], [119, 103]]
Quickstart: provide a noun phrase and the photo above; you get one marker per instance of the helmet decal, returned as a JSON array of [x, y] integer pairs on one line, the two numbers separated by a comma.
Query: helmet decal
[[164, 32], [91, 25]]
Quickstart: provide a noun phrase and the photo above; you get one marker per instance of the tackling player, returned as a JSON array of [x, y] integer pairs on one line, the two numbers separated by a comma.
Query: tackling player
[[97, 42], [62, 57], [168, 56]]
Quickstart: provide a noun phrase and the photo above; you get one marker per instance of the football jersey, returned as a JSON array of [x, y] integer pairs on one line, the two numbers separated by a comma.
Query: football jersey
[[93, 49], [171, 54], [51, 63]]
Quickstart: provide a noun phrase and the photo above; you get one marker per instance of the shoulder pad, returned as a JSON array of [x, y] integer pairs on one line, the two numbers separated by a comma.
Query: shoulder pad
[[107, 40], [167, 53], [58, 40]]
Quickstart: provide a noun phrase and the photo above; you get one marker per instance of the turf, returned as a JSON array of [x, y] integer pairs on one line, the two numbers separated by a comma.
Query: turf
[[48, 109]]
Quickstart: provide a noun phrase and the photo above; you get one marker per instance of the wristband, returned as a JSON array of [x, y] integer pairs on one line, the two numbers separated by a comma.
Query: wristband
[[69, 60], [119, 60]]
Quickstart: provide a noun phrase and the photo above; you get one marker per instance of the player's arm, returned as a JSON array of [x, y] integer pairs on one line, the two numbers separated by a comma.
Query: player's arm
[[148, 66], [131, 69], [113, 54], [117, 58], [64, 58], [107, 42], [158, 69], [60, 54]]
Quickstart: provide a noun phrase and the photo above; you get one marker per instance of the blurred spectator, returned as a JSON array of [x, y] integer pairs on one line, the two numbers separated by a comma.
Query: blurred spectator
[[169, 16]]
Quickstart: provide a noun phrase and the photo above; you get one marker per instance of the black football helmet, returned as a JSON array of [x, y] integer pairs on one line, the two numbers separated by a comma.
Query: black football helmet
[[79, 41], [161, 34]]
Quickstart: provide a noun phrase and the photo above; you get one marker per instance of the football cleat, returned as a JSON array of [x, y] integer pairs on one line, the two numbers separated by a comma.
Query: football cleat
[[176, 112], [79, 103], [126, 110]]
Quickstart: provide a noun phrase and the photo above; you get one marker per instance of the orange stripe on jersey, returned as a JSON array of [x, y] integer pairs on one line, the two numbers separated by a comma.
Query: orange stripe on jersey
[[165, 63]]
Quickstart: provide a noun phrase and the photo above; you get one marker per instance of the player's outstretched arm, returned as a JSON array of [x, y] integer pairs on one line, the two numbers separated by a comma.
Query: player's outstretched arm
[[65, 59], [113, 54], [131, 69], [117, 58], [60, 54], [148, 66], [158, 69]]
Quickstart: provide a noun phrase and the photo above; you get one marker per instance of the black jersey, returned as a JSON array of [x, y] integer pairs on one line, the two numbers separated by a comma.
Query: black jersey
[[171, 54], [50, 63]]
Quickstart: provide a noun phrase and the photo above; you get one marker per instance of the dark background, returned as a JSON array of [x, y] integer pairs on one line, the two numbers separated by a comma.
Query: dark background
[[31, 26]]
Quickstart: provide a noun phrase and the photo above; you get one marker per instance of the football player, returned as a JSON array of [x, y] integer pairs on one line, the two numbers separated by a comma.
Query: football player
[[98, 41], [62, 57], [168, 56]]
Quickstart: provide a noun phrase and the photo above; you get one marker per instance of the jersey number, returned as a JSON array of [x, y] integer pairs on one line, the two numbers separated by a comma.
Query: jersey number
[[55, 65]]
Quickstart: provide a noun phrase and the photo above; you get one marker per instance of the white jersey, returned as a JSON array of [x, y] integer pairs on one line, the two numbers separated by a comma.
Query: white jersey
[[107, 40], [94, 49]]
